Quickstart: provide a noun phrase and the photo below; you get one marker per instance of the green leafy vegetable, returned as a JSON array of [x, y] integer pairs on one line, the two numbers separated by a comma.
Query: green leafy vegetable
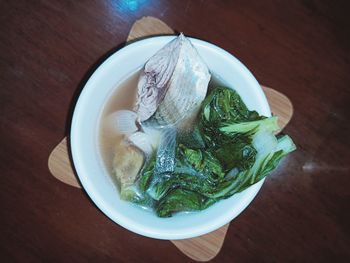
[[182, 200], [224, 105], [193, 139], [238, 153], [229, 149], [250, 127]]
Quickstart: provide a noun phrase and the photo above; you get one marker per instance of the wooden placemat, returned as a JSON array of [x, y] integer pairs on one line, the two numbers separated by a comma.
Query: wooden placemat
[[201, 248]]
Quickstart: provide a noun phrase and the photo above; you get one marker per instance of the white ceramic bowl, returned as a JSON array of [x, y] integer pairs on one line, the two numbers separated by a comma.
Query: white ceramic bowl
[[88, 164]]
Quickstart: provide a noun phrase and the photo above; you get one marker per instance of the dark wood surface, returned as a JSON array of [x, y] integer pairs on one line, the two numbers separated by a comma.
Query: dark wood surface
[[301, 48]]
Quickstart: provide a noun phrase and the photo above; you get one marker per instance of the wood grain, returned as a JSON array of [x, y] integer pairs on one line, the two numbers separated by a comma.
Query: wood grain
[[60, 164], [148, 26], [48, 49], [202, 248]]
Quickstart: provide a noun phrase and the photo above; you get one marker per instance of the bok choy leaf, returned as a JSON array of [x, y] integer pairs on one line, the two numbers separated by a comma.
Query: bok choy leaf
[[229, 149]]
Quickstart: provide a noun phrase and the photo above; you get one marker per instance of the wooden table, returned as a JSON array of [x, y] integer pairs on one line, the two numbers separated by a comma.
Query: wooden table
[[301, 48]]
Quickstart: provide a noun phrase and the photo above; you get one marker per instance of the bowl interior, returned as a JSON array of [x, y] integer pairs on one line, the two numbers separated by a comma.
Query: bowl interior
[[87, 160]]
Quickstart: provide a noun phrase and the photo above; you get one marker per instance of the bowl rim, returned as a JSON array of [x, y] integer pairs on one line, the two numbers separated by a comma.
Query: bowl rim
[[89, 187]]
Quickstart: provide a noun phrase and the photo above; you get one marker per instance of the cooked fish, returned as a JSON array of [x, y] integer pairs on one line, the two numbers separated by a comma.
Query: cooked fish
[[173, 83]]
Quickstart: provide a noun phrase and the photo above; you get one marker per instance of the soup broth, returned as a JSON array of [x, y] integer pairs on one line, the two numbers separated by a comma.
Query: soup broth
[[123, 97]]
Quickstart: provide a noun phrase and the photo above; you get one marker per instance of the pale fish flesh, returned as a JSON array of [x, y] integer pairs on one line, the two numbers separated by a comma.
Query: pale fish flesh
[[173, 83]]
